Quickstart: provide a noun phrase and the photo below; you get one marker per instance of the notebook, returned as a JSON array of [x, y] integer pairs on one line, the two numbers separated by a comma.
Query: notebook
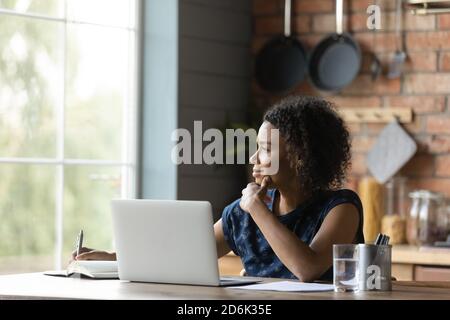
[[89, 269]]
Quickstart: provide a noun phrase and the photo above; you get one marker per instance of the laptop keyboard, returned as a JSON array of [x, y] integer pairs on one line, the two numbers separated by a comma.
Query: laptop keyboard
[[238, 280], [231, 279]]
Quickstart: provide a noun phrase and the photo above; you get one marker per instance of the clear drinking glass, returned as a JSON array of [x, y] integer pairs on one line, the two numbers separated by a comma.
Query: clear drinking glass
[[345, 267]]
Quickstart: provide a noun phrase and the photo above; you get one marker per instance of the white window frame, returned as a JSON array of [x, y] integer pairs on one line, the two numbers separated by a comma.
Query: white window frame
[[130, 133]]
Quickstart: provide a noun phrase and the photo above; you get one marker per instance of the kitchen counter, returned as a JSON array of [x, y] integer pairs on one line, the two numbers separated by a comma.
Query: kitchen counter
[[421, 255], [408, 263], [420, 263]]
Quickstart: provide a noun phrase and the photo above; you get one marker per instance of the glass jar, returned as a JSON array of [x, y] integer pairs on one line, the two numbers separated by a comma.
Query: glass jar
[[425, 221], [444, 217], [393, 223]]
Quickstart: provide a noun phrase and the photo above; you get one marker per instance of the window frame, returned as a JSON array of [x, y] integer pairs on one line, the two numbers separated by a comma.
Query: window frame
[[130, 161]]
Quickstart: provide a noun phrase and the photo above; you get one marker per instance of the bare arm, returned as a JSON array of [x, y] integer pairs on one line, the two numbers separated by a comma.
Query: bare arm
[[308, 263], [221, 243], [90, 254]]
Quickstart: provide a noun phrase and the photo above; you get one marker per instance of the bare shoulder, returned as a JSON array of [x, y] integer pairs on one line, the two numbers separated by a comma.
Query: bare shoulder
[[345, 214]]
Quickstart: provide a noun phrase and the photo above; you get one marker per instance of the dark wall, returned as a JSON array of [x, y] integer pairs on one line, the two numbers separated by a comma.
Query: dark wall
[[214, 85]]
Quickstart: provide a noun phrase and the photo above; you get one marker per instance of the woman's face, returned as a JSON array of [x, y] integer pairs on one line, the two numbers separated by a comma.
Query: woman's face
[[262, 159]]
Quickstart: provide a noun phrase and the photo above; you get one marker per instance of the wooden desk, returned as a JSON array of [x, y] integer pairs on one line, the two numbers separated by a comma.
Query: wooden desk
[[38, 286]]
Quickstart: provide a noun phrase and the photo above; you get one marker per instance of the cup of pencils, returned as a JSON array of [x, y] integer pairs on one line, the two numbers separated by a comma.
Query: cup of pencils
[[375, 265]]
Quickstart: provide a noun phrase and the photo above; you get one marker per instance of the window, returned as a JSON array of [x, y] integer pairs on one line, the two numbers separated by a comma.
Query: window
[[68, 124]]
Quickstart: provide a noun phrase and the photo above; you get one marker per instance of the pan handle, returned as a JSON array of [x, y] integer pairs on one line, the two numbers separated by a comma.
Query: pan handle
[[339, 17], [287, 17], [399, 25]]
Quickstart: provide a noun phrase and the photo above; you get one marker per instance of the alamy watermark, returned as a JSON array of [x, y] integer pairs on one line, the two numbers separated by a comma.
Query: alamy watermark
[[189, 148], [374, 19]]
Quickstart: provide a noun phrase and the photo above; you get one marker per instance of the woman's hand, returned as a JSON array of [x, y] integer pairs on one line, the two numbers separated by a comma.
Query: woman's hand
[[91, 254], [255, 195]]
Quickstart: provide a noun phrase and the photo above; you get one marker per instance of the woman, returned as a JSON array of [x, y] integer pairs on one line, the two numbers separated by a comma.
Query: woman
[[285, 225]]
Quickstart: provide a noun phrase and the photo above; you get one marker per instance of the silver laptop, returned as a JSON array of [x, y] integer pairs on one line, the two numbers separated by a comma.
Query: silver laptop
[[167, 242]]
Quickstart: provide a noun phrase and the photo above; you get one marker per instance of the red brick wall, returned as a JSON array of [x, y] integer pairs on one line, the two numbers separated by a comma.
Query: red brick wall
[[424, 87]]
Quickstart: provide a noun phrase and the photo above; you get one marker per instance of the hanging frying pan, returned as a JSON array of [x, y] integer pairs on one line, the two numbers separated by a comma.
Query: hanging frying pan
[[281, 64], [336, 60]]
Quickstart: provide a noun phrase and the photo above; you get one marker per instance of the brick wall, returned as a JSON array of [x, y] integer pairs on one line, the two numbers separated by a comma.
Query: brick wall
[[424, 87]]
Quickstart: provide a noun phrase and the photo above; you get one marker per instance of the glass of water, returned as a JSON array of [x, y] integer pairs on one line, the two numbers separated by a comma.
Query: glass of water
[[345, 267]]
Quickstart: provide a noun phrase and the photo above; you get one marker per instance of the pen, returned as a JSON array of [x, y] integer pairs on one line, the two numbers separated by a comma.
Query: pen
[[377, 240], [79, 242]]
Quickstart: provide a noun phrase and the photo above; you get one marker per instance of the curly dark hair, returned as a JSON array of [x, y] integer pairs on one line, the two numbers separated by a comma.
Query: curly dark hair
[[318, 142]]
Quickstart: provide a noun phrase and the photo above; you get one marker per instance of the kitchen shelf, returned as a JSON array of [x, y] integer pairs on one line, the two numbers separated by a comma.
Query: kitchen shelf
[[426, 2], [376, 115], [424, 7]]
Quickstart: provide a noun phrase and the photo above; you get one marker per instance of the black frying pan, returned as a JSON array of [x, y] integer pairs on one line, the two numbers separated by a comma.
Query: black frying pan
[[336, 60], [281, 64]]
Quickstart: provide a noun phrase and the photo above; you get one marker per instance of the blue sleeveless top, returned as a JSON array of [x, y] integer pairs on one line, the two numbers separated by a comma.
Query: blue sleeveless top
[[247, 241]]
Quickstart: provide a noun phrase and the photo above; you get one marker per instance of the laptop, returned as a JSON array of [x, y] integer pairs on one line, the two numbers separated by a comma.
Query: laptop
[[163, 241]]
